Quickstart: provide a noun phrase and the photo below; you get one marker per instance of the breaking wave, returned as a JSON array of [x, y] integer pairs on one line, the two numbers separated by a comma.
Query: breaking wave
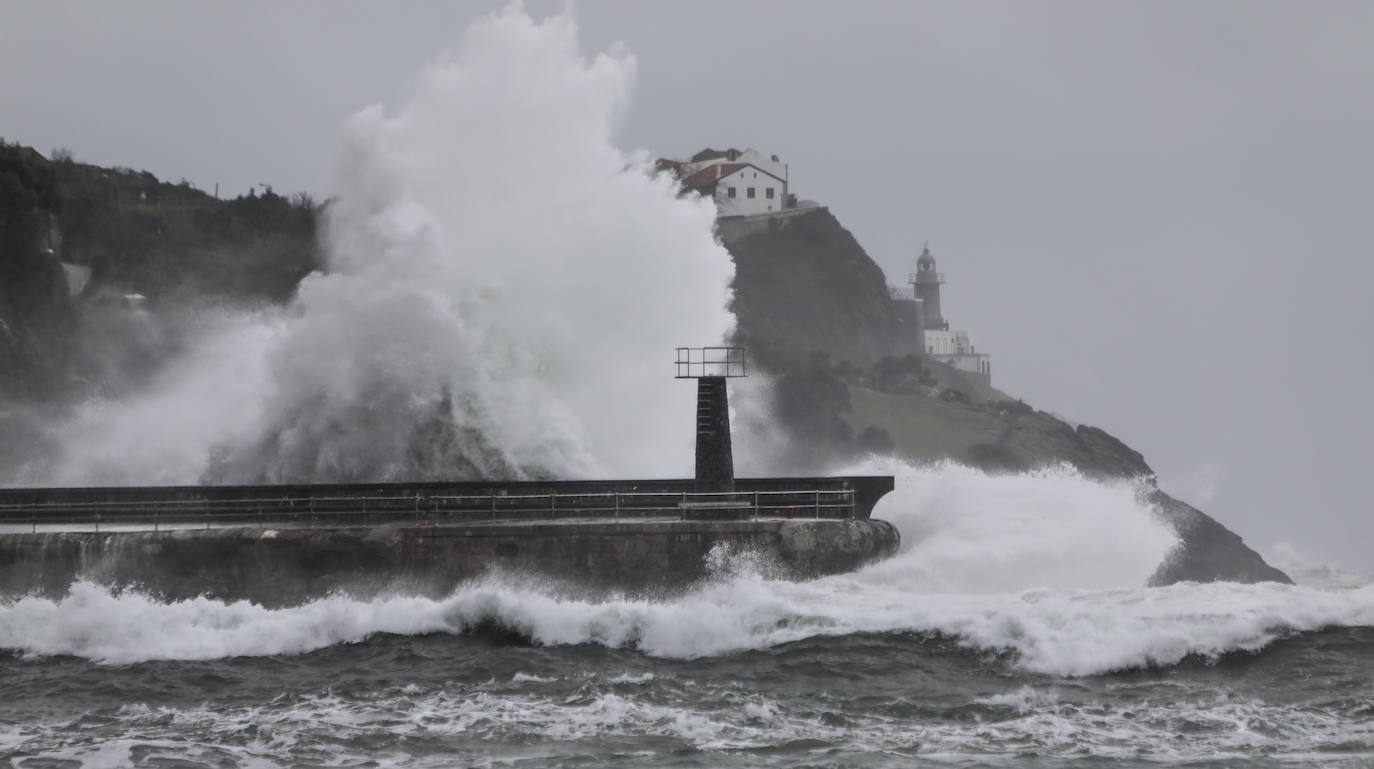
[[983, 562]]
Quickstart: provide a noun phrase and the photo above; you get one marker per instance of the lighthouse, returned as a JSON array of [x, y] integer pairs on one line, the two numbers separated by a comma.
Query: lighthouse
[[952, 347], [927, 281]]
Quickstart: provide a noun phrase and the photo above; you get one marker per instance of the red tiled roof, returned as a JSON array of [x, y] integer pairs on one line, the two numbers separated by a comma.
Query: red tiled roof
[[710, 154], [710, 174]]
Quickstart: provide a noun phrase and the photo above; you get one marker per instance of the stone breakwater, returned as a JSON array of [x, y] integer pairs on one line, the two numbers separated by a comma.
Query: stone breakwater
[[288, 566]]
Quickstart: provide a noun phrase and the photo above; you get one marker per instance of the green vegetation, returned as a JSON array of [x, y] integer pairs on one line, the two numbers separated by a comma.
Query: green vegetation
[[172, 244], [164, 240]]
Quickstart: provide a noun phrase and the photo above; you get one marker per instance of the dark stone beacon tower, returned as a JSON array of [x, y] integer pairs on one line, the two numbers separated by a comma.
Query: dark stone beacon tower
[[711, 366]]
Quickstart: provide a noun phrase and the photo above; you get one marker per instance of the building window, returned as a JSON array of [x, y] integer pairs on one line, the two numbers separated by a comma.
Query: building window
[[749, 192], [731, 192], [768, 193]]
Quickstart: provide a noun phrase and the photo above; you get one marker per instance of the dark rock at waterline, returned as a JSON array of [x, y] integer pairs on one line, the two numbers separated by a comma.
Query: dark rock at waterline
[[1208, 551], [1005, 437]]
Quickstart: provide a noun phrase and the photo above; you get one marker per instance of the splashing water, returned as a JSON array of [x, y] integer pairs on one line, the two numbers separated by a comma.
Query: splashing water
[[504, 288], [969, 532], [164, 433], [949, 515]]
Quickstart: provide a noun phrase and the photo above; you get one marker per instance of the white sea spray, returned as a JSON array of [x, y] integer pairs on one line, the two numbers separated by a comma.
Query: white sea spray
[[504, 287]]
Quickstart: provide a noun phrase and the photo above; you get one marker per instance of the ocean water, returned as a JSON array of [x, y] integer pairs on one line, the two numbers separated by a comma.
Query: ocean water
[[982, 643]]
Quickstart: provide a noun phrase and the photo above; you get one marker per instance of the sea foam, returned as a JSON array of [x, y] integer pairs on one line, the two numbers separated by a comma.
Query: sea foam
[[1021, 599], [471, 724]]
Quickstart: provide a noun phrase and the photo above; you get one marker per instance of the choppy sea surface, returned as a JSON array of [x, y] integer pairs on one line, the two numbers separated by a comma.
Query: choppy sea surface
[[1011, 630]]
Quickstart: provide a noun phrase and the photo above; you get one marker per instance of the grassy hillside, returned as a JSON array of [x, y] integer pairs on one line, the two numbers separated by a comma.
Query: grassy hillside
[[999, 435]]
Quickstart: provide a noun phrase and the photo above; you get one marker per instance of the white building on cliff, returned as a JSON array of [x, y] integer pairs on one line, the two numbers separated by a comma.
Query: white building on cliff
[[742, 182]]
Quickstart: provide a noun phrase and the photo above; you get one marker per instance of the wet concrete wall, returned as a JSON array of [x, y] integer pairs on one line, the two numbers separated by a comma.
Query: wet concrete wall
[[416, 503], [288, 566]]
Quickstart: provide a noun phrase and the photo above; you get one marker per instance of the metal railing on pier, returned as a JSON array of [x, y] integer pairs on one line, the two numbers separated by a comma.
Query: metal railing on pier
[[418, 510]]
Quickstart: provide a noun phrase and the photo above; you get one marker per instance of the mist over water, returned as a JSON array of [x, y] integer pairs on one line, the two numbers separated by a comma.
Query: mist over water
[[166, 431], [504, 288]]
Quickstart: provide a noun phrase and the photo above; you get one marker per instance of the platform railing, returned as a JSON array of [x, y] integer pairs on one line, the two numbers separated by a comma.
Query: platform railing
[[437, 509]]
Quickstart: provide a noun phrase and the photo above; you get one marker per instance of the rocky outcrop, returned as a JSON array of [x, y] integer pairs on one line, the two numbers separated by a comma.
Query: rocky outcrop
[[830, 547], [1208, 551], [814, 308]]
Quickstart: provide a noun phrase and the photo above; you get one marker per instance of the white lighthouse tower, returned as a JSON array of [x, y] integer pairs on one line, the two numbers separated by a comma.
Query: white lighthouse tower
[[952, 347]]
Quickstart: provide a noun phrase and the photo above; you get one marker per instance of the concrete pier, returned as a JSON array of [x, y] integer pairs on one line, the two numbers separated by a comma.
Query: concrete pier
[[281, 545], [287, 566]]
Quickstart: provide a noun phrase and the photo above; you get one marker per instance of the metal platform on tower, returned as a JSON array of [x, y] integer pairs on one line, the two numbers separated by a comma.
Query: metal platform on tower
[[711, 366]]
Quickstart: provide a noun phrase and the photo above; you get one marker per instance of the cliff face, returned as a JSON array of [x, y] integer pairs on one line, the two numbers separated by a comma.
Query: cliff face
[[804, 286], [133, 236], [814, 310], [36, 318], [36, 322]]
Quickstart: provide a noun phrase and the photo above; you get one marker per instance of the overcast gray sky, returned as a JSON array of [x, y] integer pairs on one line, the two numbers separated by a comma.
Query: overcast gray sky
[[1157, 217]]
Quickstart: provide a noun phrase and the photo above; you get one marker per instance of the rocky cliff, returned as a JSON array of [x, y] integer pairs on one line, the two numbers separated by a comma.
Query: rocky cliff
[[136, 242], [815, 311], [36, 319], [805, 286]]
